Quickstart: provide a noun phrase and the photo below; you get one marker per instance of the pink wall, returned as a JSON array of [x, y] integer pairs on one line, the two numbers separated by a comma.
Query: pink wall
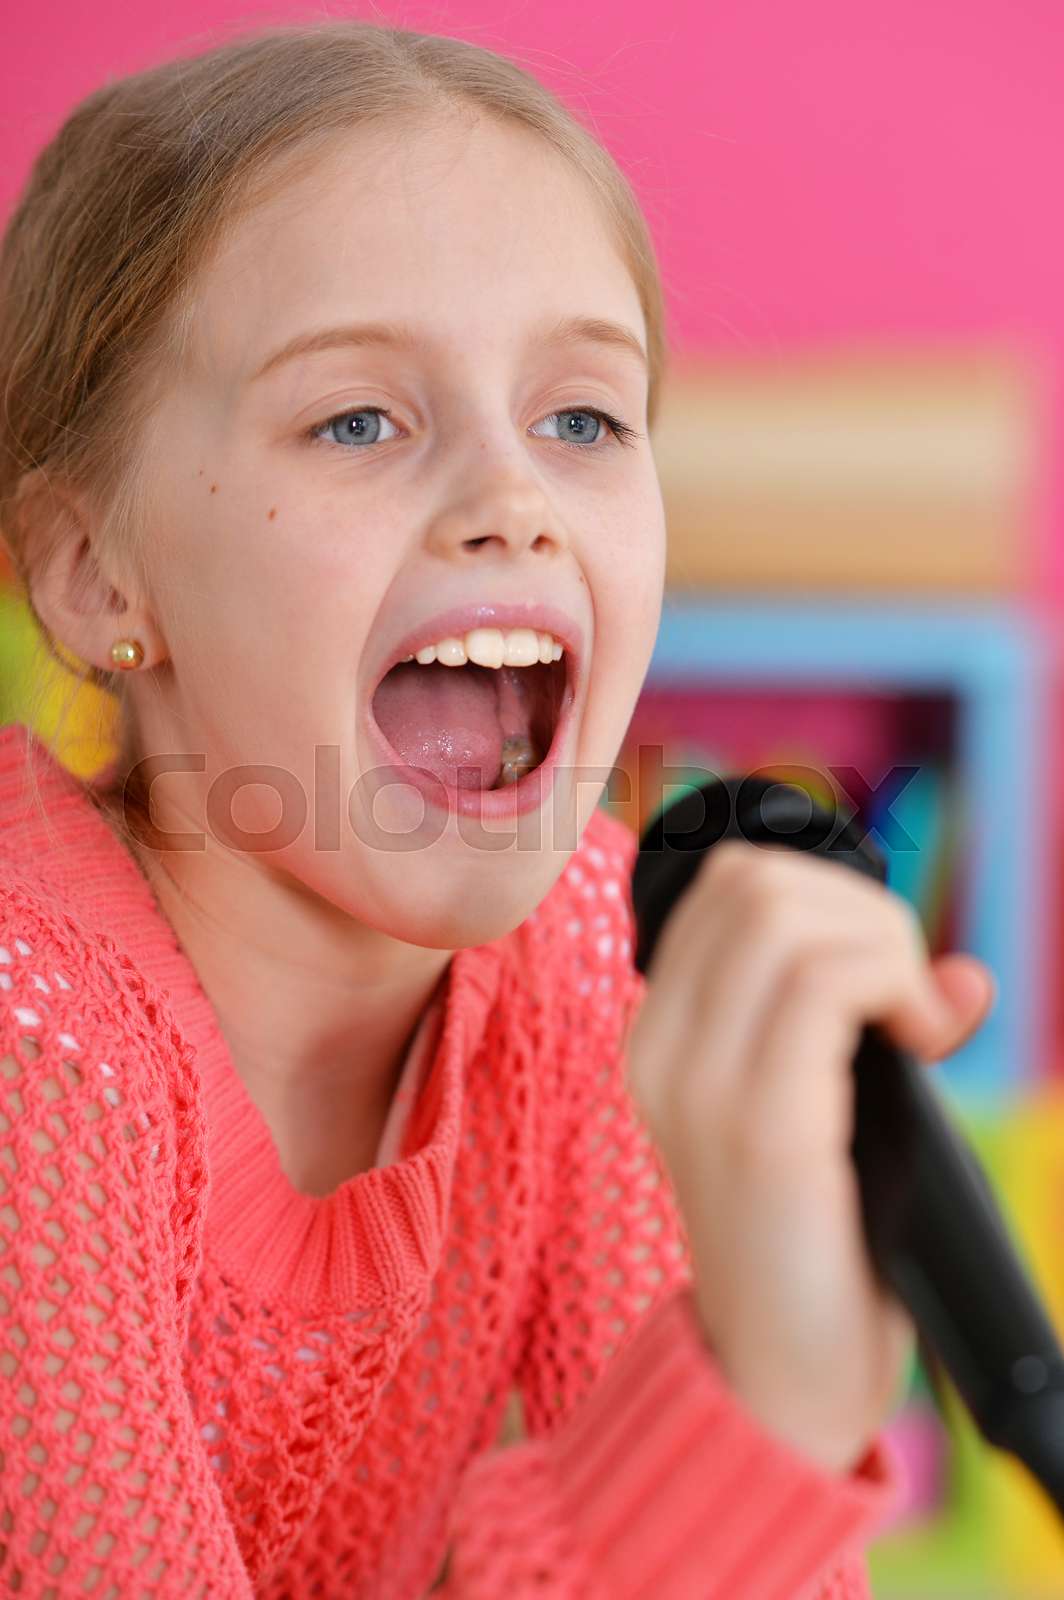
[[815, 171]]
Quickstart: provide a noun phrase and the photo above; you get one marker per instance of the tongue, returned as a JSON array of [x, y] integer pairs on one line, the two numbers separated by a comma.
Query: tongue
[[443, 718]]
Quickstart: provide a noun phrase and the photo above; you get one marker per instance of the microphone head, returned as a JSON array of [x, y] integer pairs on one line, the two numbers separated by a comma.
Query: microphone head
[[756, 809]]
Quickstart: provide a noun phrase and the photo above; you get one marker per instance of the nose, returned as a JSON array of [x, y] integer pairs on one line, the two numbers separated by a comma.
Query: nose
[[507, 512]]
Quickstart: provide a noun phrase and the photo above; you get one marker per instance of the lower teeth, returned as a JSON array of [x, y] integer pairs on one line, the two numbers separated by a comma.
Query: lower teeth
[[519, 755]]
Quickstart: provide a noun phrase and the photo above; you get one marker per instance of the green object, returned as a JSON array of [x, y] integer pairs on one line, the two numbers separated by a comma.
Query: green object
[[952, 1553], [958, 1552], [18, 638]]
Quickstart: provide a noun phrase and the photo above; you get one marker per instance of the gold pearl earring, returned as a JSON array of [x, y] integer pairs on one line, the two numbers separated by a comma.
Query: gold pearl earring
[[127, 653]]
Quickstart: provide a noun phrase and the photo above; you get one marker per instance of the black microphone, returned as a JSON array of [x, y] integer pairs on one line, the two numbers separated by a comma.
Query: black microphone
[[935, 1234]]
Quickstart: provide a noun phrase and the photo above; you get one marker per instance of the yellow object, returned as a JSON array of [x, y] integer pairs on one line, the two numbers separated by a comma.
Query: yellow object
[[1032, 1540], [78, 721], [871, 470]]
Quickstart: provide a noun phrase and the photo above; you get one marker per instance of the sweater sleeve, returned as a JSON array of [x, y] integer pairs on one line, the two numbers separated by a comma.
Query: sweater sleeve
[[104, 1484], [644, 1476]]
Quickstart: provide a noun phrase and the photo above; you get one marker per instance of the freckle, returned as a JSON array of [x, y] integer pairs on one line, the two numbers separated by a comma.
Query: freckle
[[273, 512], [214, 488], [201, 472]]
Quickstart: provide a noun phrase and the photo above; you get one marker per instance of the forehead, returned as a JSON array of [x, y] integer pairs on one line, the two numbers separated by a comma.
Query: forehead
[[477, 229]]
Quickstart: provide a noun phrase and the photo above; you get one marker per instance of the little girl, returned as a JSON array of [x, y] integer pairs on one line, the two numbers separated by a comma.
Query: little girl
[[333, 1112]]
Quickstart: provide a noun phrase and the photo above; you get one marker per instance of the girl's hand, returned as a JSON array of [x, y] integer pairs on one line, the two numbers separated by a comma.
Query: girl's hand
[[740, 1063]]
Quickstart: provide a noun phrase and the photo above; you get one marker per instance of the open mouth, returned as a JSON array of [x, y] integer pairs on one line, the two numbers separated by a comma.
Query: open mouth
[[472, 727]]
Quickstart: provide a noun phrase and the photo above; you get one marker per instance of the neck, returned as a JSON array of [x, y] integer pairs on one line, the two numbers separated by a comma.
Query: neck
[[317, 1009]]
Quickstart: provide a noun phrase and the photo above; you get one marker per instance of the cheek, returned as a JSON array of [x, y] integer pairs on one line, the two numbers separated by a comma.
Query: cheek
[[306, 583], [627, 591], [628, 585]]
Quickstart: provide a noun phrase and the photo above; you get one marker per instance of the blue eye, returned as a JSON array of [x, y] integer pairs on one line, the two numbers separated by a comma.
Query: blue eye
[[621, 431], [358, 435], [317, 433]]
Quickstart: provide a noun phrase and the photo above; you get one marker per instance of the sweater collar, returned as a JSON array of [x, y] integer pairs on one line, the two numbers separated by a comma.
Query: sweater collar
[[380, 1233]]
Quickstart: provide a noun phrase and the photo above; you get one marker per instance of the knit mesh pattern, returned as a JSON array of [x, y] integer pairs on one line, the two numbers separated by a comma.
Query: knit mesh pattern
[[102, 1469], [167, 1427]]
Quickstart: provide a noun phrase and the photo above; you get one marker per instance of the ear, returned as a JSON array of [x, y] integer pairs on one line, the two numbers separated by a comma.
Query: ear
[[82, 604]]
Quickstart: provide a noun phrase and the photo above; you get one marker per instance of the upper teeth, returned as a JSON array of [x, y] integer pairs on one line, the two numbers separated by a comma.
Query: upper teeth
[[492, 647]]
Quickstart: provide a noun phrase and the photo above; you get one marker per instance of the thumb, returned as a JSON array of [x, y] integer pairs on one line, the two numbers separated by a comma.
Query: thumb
[[969, 989]]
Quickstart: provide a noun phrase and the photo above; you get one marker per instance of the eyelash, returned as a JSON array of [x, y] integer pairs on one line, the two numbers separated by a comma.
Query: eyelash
[[622, 433]]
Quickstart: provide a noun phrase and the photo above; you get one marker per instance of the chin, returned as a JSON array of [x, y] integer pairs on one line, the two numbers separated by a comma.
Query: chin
[[480, 909]]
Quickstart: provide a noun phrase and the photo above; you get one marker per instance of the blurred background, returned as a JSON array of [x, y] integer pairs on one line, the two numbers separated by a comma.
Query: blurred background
[[856, 212]]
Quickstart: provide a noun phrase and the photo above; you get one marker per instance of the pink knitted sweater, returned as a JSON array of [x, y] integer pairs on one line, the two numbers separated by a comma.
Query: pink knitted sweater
[[213, 1384]]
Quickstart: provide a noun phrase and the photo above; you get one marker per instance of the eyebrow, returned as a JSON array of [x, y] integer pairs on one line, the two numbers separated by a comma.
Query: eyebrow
[[400, 336]]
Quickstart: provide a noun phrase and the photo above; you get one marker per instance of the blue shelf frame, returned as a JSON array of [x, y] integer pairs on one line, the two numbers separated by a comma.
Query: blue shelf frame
[[994, 660]]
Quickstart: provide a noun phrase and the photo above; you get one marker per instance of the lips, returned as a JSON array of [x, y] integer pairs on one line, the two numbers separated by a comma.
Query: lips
[[544, 616], [530, 790]]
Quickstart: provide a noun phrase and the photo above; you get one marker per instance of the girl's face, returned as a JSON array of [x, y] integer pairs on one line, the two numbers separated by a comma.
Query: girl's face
[[290, 571]]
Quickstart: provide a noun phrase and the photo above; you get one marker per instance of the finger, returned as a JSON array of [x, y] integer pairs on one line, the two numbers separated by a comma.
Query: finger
[[723, 968], [791, 910], [724, 975], [725, 919], [736, 871], [970, 989], [798, 1099]]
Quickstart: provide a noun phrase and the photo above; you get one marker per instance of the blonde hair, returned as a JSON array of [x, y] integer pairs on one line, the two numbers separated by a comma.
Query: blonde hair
[[98, 262]]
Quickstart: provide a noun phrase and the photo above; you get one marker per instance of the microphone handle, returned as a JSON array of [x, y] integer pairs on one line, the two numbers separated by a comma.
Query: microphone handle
[[935, 1233], [937, 1237]]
